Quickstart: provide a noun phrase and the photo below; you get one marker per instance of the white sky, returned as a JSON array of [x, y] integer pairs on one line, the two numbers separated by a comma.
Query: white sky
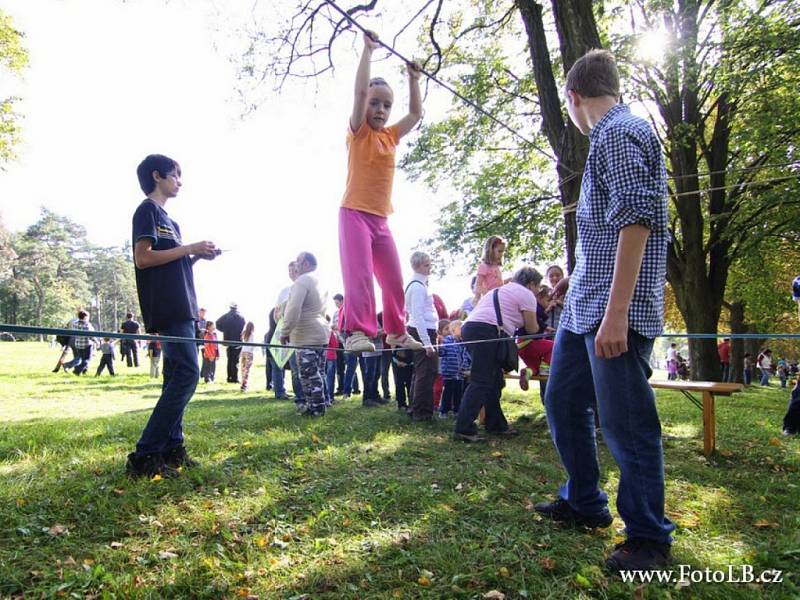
[[111, 81]]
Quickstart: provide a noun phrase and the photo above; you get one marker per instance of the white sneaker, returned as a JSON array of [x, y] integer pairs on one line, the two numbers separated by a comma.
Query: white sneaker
[[358, 342], [404, 340]]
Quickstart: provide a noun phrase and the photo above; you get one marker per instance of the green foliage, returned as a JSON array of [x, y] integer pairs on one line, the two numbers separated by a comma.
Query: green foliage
[[502, 181], [762, 279], [54, 271], [14, 59], [361, 504]]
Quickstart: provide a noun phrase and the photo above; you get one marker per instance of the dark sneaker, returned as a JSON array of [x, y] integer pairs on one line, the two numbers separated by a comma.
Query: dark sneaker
[[149, 465], [504, 433], [638, 554], [177, 457], [313, 413], [470, 438], [382, 400], [368, 403], [560, 511]]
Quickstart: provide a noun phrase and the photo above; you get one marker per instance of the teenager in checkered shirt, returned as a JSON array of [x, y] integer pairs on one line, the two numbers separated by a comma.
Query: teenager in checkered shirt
[[612, 312]]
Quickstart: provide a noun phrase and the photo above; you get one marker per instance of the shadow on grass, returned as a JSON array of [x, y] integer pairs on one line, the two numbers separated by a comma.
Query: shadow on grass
[[359, 504]]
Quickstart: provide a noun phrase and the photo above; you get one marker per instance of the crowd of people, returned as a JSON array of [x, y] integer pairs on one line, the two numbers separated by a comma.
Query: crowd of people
[[448, 364]]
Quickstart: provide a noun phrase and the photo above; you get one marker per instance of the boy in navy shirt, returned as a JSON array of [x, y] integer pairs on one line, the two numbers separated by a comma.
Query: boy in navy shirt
[[165, 284]]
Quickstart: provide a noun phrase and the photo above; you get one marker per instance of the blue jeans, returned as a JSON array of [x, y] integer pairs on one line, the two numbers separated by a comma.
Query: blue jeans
[[764, 377], [372, 374], [164, 430], [350, 363], [330, 378], [748, 376], [631, 429], [277, 377]]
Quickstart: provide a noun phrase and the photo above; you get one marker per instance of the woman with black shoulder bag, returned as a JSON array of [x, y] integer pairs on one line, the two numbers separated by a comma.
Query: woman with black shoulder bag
[[489, 332]]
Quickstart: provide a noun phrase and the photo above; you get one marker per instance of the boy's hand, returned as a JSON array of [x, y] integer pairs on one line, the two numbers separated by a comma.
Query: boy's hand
[[371, 40], [430, 350], [612, 336], [204, 249], [414, 70]]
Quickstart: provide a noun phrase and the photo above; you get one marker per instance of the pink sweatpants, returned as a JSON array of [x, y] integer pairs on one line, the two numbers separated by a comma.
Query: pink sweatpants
[[366, 247]]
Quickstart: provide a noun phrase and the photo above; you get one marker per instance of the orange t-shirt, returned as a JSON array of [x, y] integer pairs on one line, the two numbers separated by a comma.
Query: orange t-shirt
[[370, 169]]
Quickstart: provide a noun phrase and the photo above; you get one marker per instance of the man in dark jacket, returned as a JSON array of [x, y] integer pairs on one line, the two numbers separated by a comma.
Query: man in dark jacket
[[130, 348], [231, 325]]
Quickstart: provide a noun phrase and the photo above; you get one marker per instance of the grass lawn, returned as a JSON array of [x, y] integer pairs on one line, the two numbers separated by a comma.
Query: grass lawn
[[359, 504]]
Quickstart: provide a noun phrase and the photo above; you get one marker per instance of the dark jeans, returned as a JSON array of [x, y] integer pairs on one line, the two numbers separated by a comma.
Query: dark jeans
[[209, 370], [402, 384], [164, 429], [791, 422], [451, 395], [233, 353], [372, 374], [631, 430], [107, 360], [130, 352], [748, 376], [330, 377], [725, 371], [426, 368], [277, 376], [386, 363], [340, 372], [485, 383], [350, 378], [82, 356]]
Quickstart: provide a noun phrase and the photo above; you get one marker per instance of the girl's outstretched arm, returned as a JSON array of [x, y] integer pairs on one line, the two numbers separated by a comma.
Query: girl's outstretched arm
[[408, 122], [362, 82]]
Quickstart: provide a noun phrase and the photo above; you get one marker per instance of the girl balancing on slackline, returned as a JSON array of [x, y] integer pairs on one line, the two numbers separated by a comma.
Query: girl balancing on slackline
[[366, 246]]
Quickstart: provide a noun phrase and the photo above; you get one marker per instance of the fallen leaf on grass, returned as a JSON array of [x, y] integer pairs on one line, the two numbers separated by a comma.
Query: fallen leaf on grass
[[547, 563], [497, 454], [116, 545], [314, 438], [20, 502], [764, 524], [494, 595], [167, 555], [773, 441], [424, 581], [503, 572], [156, 477], [57, 530]]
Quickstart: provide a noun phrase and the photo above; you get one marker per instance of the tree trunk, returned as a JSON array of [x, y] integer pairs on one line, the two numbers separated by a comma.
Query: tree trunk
[[737, 344], [577, 34]]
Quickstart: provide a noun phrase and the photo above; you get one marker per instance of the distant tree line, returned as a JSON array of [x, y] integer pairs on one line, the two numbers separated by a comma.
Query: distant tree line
[[50, 270]]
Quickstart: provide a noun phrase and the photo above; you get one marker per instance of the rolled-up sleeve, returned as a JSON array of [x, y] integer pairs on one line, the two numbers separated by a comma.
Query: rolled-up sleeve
[[634, 191]]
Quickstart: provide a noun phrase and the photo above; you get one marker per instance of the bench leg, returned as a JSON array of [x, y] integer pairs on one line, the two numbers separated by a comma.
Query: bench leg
[[709, 424]]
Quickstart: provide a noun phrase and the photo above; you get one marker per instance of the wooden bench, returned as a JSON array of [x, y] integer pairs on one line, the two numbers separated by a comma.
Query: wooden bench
[[710, 390]]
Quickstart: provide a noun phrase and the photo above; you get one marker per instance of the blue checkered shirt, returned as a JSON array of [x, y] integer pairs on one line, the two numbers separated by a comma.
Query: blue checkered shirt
[[624, 183]]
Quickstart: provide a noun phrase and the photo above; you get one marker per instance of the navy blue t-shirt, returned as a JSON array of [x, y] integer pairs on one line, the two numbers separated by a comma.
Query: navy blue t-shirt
[[166, 292]]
